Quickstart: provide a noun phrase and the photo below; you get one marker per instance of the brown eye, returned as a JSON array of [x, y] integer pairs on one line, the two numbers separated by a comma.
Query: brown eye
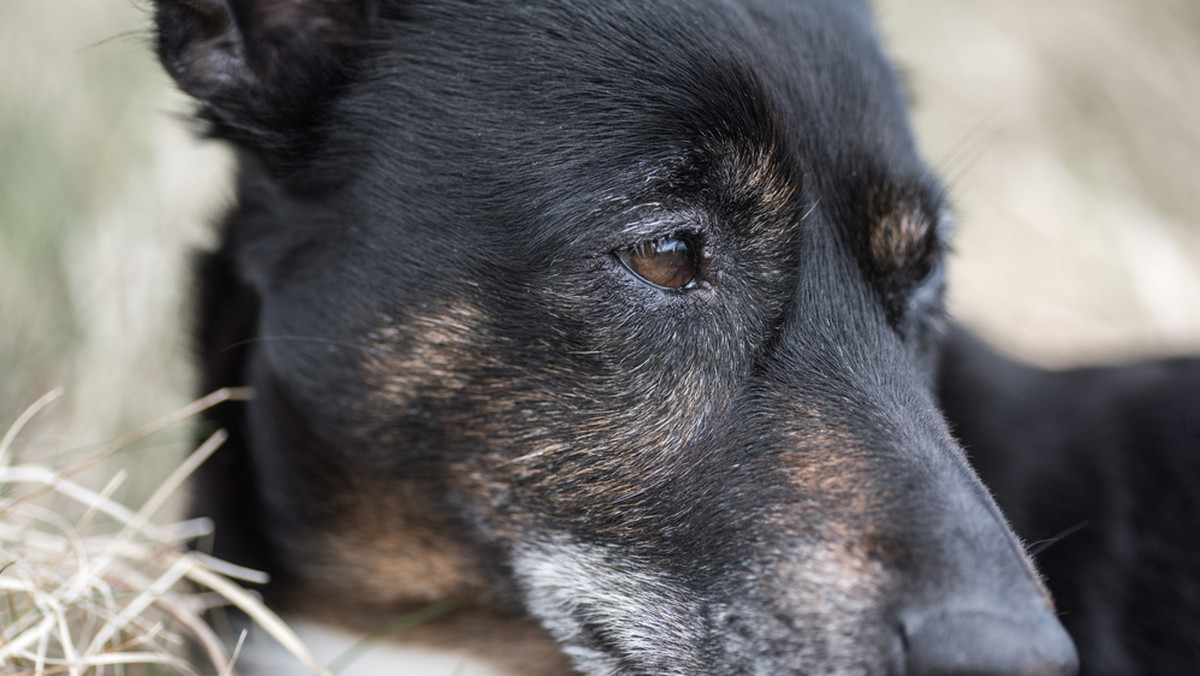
[[668, 263]]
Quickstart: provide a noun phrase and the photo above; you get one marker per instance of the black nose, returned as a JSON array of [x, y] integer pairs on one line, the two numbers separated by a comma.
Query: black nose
[[986, 643]]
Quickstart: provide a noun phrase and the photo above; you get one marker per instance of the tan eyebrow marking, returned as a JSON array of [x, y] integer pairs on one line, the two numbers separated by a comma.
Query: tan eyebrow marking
[[755, 175], [899, 236]]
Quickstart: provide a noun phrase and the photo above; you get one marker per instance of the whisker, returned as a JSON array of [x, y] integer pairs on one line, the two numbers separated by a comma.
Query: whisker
[[1040, 546], [145, 33], [303, 339], [969, 149]]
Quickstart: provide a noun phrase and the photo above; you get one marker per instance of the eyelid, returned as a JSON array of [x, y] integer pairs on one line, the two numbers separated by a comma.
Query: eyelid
[[650, 222]]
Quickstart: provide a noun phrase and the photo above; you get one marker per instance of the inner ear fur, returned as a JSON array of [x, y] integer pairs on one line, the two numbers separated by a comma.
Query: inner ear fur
[[262, 69]]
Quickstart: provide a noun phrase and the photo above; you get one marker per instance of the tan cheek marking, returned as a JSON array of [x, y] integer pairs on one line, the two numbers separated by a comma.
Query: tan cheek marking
[[828, 465], [899, 237], [837, 572], [387, 556], [386, 548], [430, 354], [832, 471]]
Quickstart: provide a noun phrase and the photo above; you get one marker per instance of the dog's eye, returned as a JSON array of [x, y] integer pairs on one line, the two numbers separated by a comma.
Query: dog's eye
[[668, 263]]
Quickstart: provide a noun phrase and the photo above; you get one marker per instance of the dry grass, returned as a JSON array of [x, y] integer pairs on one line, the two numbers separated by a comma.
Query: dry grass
[[89, 586]]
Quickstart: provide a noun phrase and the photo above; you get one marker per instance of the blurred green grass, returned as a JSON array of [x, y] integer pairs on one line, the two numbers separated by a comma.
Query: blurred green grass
[[1068, 132], [102, 192], [68, 136]]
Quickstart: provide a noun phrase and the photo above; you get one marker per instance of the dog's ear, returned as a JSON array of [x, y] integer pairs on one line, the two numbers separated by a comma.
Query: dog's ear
[[262, 69]]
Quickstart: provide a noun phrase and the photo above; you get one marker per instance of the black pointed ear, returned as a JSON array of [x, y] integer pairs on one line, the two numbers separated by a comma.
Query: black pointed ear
[[262, 69]]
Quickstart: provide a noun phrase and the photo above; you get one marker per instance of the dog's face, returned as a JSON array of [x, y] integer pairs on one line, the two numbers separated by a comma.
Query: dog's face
[[619, 315]]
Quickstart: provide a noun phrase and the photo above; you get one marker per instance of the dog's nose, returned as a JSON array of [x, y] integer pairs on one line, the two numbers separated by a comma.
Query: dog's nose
[[985, 643]]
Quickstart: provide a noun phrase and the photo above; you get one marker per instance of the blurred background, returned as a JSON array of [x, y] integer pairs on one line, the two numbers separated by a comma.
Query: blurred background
[[1068, 133], [103, 192]]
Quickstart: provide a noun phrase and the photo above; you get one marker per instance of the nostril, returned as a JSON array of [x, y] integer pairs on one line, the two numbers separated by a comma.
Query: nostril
[[983, 643]]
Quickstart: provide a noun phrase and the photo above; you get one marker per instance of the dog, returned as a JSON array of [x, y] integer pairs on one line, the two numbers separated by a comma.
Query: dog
[[619, 325]]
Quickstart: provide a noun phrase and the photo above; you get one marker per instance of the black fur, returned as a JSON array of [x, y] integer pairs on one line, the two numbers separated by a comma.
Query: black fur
[[1099, 469], [462, 392]]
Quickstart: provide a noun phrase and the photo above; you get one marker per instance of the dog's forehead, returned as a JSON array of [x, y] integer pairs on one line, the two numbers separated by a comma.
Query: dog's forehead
[[530, 100]]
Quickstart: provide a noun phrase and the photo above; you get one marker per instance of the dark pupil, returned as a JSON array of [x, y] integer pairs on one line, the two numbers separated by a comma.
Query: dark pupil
[[668, 262]]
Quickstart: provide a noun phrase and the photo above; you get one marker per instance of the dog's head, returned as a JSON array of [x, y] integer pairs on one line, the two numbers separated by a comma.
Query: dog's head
[[619, 315]]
